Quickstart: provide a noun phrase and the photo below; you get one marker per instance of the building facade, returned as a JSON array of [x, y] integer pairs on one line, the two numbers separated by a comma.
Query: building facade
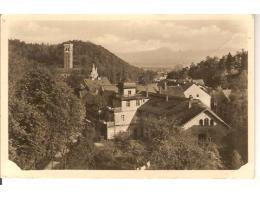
[[198, 92], [125, 105]]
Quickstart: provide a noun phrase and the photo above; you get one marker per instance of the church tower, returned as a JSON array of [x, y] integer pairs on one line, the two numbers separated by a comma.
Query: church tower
[[68, 56], [94, 73]]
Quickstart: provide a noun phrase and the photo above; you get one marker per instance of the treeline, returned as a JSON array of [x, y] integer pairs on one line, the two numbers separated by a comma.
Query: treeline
[[224, 71], [44, 116], [85, 54]]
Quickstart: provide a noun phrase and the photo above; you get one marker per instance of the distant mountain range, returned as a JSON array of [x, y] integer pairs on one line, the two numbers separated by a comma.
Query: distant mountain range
[[167, 58]]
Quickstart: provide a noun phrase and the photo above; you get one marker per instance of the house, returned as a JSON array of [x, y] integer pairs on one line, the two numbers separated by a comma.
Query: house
[[123, 111], [189, 114], [199, 92]]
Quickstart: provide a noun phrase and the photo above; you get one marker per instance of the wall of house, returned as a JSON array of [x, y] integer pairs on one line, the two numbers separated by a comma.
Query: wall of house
[[197, 93], [132, 90], [126, 120], [133, 104], [196, 121]]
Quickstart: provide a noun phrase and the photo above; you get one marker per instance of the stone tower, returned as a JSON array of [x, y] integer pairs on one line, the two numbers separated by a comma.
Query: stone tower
[[68, 56]]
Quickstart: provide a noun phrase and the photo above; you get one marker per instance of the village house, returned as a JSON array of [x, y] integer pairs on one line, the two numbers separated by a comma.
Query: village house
[[187, 113], [199, 92], [123, 111]]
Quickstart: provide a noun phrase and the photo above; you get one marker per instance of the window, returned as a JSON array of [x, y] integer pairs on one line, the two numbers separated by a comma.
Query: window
[[211, 122], [201, 122], [198, 95], [129, 92], [137, 102], [123, 117], [206, 122], [128, 104], [202, 138]]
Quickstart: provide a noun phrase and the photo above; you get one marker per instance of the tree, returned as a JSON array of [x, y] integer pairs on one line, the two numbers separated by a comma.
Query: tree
[[237, 161], [49, 110], [27, 135], [181, 152], [81, 155], [122, 153]]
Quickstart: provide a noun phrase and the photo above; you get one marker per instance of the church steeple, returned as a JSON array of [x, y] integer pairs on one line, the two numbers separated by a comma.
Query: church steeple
[[94, 73]]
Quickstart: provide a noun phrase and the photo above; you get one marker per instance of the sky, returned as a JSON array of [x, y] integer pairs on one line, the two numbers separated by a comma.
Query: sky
[[138, 35]]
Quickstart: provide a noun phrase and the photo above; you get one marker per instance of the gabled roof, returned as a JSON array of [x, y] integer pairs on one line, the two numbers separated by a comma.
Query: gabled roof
[[203, 88], [177, 109]]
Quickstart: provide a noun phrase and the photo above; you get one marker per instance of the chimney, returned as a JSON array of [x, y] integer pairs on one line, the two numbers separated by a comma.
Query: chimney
[[190, 102], [167, 98]]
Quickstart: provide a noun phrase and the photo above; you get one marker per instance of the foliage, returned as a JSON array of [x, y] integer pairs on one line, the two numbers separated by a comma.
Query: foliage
[[42, 121], [27, 134], [81, 155], [122, 153], [155, 131], [180, 152], [235, 146], [215, 72]]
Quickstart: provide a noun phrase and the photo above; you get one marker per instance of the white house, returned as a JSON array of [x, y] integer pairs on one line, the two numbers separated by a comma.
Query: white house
[[125, 107], [198, 92]]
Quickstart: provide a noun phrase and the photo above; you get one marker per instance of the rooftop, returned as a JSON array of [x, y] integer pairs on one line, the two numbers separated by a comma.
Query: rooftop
[[176, 108]]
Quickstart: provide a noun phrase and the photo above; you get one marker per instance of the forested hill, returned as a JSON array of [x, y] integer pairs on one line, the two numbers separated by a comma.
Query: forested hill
[[229, 71], [84, 55]]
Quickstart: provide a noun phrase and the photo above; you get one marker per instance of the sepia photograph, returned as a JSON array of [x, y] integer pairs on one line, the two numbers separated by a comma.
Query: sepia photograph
[[129, 92]]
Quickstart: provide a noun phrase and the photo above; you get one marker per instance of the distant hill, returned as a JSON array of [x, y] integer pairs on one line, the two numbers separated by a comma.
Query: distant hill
[[167, 58], [84, 55]]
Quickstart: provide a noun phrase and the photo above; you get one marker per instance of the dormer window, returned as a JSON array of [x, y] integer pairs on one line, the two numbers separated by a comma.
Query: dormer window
[[206, 122]]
